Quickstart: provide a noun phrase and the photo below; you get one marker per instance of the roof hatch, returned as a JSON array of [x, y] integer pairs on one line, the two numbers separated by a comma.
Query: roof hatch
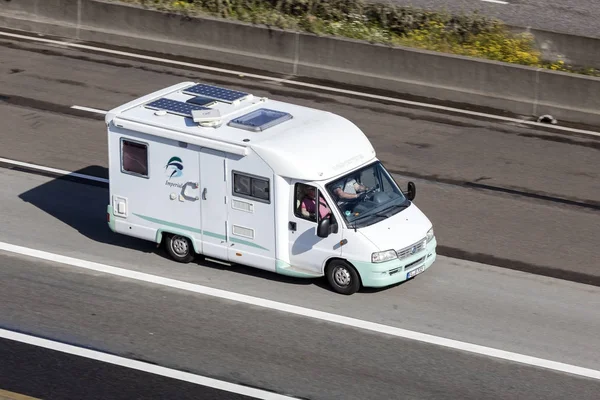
[[260, 119]]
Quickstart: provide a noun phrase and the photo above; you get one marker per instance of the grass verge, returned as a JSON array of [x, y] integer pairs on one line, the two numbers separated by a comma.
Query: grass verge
[[468, 35]]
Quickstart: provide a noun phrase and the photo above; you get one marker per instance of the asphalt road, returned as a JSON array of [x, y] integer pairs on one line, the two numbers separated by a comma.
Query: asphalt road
[[41, 373], [497, 193], [288, 354], [477, 303], [576, 17], [467, 301]]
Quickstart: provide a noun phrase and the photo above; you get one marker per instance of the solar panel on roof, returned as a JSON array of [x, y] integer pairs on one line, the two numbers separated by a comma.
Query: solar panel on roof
[[175, 107], [260, 119], [215, 92]]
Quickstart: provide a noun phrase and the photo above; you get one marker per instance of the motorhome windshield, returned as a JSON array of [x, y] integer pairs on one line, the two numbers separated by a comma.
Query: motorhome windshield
[[367, 195]]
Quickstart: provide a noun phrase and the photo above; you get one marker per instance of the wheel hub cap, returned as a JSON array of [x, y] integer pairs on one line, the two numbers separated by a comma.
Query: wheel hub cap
[[179, 245], [342, 276]]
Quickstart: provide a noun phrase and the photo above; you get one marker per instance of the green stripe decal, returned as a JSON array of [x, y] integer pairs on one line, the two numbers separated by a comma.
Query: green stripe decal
[[173, 225], [200, 231], [247, 243]]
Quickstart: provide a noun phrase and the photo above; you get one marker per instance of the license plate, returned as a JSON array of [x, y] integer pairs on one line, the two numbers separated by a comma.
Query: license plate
[[415, 272]]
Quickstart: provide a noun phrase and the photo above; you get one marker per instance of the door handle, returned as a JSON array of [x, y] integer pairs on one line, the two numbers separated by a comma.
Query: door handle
[[292, 226], [204, 194]]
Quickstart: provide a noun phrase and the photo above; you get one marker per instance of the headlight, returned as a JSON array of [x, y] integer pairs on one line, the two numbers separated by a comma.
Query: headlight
[[429, 235], [383, 256]]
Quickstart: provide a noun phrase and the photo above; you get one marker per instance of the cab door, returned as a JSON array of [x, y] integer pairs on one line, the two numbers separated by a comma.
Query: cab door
[[307, 250]]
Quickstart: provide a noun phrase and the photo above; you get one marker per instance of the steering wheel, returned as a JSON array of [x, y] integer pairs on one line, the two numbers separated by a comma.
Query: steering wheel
[[363, 195]]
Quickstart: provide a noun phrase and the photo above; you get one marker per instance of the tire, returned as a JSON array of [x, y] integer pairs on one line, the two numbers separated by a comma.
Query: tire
[[179, 248], [342, 277]]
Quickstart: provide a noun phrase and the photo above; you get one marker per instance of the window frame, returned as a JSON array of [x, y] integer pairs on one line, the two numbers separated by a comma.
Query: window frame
[[298, 210], [318, 193], [252, 178], [146, 145]]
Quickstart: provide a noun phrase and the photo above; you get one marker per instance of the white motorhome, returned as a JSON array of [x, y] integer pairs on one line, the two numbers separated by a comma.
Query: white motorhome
[[210, 171]]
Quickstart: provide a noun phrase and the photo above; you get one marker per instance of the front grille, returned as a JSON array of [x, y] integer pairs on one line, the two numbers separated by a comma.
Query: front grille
[[407, 266], [412, 249]]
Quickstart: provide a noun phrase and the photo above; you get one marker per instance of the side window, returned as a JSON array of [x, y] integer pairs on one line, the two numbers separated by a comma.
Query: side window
[[251, 187], [134, 158], [304, 203]]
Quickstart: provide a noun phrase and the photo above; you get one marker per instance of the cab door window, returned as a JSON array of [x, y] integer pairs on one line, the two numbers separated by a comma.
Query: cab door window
[[305, 202]]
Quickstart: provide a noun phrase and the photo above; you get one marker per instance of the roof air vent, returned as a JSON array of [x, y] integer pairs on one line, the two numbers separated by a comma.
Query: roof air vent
[[260, 120]]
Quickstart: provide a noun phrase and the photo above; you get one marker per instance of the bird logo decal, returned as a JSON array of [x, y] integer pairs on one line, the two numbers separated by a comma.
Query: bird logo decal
[[176, 165]]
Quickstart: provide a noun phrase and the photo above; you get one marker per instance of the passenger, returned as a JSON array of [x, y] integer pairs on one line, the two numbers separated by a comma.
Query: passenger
[[308, 204]]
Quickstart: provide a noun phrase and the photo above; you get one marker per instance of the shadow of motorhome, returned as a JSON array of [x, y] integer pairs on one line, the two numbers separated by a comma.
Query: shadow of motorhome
[[81, 204]]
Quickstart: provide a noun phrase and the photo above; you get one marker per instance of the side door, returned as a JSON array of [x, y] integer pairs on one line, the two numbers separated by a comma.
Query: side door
[[213, 207], [307, 250]]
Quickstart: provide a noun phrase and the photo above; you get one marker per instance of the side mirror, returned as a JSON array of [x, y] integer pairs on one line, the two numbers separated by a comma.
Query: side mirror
[[412, 191], [323, 228]]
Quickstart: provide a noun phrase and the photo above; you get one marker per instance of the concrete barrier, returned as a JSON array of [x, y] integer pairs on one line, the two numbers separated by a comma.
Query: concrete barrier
[[50, 17], [567, 98], [574, 50], [201, 38], [418, 73], [506, 87]]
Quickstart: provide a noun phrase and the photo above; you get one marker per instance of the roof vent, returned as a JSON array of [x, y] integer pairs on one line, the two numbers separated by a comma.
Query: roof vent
[[208, 118], [260, 120]]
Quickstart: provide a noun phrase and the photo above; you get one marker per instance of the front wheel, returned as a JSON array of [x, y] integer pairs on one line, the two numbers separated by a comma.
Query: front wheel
[[179, 248], [342, 277]]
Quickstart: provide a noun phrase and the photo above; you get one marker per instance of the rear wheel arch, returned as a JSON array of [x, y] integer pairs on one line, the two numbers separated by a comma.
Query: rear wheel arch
[[180, 246]]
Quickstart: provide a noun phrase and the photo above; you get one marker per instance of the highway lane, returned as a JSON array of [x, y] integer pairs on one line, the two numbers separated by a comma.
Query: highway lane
[[467, 301], [408, 140], [449, 153], [42, 373], [576, 17], [263, 348]]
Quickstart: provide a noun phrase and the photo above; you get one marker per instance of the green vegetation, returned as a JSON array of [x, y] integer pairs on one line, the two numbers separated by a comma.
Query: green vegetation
[[469, 35]]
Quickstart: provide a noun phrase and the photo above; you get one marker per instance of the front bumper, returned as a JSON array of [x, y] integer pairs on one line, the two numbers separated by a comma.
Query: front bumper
[[396, 271]]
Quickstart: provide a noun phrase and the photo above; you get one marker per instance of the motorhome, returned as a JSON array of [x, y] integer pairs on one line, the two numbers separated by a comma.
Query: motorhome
[[237, 178]]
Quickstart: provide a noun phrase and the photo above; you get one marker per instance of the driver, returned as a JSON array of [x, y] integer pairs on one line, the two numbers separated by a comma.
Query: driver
[[350, 190]]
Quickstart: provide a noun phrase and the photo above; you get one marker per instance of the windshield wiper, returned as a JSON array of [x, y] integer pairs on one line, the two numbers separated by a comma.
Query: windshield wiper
[[368, 216], [401, 206]]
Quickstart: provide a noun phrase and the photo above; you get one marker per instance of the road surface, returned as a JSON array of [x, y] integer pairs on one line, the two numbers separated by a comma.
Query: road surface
[[496, 193], [539, 212]]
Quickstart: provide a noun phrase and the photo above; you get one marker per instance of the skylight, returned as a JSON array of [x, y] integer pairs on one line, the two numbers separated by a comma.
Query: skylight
[[260, 120]]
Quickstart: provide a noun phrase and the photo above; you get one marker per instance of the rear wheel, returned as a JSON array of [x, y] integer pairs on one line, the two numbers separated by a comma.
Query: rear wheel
[[179, 248], [342, 277]]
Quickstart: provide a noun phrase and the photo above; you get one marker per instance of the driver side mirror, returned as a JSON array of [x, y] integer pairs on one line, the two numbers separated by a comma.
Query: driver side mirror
[[323, 228], [412, 191]]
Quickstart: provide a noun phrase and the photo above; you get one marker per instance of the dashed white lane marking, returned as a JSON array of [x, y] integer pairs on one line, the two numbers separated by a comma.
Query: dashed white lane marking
[[306, 312], [53, 170], [92, 110]]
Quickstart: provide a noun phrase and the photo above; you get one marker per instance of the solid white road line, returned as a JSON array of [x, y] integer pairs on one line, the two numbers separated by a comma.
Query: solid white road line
[[142, 366], [303, 84], [53, 170], [306, 312], [93, 110], [496, 1]]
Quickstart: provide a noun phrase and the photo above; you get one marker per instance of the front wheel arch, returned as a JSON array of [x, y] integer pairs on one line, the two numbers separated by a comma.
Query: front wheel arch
[[343, 277]]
